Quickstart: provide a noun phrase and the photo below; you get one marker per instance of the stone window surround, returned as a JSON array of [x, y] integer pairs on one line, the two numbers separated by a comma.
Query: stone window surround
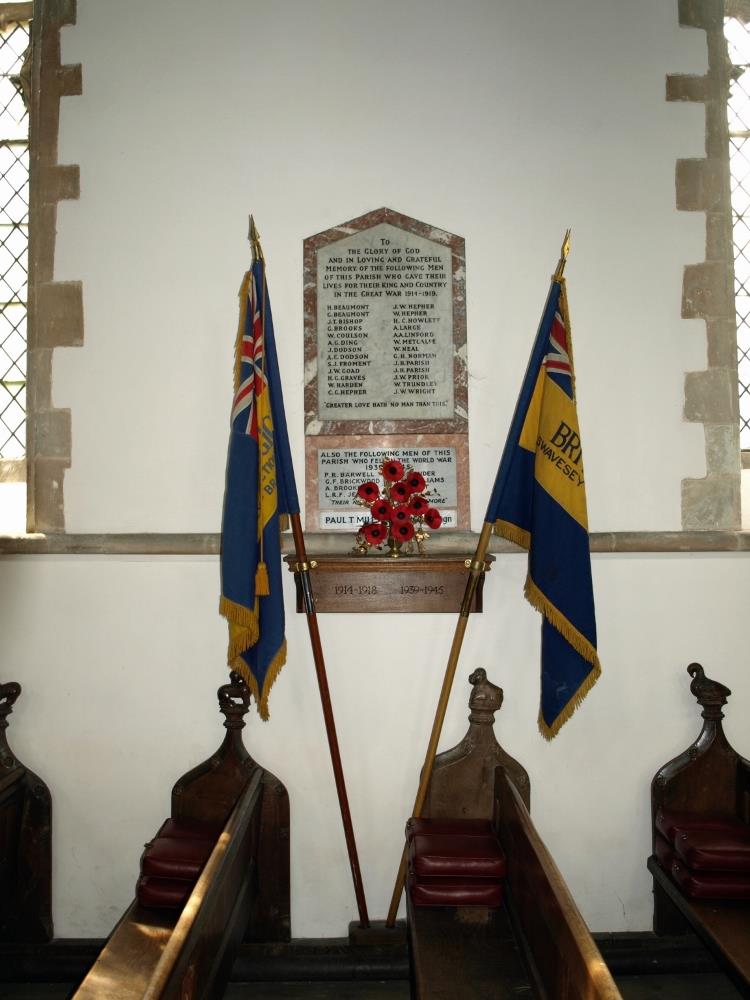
[[710, 506], [703, 185]]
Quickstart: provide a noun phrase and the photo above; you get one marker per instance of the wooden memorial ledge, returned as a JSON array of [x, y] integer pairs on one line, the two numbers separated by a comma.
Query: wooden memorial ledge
[[700, 803], [241, 894], [372, 583]]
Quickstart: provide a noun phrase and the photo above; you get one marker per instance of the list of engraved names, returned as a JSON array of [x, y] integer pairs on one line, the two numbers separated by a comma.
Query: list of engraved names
[[385, 327]]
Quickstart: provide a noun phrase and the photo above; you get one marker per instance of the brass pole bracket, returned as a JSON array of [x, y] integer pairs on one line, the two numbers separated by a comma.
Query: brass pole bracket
[[305, 567], [475, 565]]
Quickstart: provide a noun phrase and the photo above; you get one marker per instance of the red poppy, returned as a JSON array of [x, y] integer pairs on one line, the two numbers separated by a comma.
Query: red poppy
[[392, 470], [404, 532], [369, 491], [381, 510], [417, 506], [415, 482], [400, 491], [401, 514], [375, 533], [433, 518]]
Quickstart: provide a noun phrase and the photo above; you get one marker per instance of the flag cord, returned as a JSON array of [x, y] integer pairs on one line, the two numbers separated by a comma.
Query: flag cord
[[475, 573]]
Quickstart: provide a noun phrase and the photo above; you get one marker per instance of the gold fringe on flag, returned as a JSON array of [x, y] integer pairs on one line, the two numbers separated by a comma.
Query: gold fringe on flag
[[243, 627], [549, 732], [513, 533], [261, 697], [578, 641]]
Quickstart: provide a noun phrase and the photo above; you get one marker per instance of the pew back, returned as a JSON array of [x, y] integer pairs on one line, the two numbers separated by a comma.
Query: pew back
[[157, 955]]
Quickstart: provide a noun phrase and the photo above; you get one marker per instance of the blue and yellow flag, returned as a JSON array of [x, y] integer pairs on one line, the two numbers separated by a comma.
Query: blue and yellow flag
[[260, 489], [539, 502]]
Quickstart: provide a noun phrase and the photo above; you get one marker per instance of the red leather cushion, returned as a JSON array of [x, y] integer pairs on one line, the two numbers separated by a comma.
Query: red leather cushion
[[668, 819], [189, 828], [711, 885], [175, 857], [165, 893], [664, 852], [419, 825], [457, 857], [714, 850], [455, 893]]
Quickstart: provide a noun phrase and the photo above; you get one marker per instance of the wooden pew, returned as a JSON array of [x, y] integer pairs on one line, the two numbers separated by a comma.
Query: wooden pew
[[708, 778], [241, 894], [535, 944], [25, 841]]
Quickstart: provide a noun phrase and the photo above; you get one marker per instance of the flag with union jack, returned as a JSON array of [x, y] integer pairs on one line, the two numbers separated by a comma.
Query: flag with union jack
[[260, 489], [539, 502]]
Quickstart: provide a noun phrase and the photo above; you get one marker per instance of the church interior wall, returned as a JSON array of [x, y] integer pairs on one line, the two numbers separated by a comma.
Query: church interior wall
[[503, 123]]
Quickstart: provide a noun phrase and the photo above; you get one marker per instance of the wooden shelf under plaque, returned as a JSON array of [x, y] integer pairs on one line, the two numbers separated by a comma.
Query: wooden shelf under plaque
[[416, 584]]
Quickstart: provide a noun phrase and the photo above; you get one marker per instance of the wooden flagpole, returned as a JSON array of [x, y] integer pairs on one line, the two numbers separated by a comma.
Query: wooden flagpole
[[302, 569], [475, 572]]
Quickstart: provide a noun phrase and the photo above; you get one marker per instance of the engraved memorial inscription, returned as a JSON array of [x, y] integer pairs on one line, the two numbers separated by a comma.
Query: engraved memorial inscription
[[385, 327]]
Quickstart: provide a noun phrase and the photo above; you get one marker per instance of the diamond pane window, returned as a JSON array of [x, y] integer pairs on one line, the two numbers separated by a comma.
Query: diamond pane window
[[738, 117], [14, 239]]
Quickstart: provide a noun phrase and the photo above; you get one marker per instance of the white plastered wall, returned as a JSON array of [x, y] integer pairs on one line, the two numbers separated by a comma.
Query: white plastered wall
[[504, 123]]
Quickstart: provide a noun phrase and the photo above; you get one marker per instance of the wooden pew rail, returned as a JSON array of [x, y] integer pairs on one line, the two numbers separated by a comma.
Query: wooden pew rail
[[241, 894]]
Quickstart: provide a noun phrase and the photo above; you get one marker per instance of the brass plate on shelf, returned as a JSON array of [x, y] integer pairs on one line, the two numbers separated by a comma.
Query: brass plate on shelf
[[368, 584]]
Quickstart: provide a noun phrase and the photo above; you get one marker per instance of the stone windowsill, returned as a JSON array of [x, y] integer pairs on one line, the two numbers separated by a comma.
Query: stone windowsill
[[328, 542]]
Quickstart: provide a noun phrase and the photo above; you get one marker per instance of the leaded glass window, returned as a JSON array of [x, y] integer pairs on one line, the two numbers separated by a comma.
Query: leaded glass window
[[738, 115], [14, 238]]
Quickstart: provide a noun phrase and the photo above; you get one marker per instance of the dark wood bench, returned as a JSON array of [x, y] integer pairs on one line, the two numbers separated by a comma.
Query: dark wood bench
[[25, 841], [537, 943], [241, 894], [707, 780]]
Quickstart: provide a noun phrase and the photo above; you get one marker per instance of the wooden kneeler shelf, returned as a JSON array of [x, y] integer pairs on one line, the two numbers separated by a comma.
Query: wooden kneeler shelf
[[354, 583]]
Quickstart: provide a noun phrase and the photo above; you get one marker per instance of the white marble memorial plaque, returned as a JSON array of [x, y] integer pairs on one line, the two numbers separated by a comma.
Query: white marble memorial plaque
[[385, 327], [342, 470]]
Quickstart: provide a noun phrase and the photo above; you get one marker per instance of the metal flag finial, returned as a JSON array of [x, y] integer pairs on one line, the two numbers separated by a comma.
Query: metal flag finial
[[255, 241], [564, 251]]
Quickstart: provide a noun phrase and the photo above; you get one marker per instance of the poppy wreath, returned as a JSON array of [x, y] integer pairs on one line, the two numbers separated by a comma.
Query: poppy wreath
[[399, 509]]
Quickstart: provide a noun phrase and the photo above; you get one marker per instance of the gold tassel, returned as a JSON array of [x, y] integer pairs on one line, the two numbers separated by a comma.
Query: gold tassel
[[262, 586]]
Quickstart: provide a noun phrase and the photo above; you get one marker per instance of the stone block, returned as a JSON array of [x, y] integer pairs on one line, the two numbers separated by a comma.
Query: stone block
[[686, 87], [712, 503], [701, 13], [721, 335], [48, 473], [61, 182], [708, 290], [59, 317], [723, 449], [719, 242], [70, 79], [711, 396], [52, 434], [700, 185]]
